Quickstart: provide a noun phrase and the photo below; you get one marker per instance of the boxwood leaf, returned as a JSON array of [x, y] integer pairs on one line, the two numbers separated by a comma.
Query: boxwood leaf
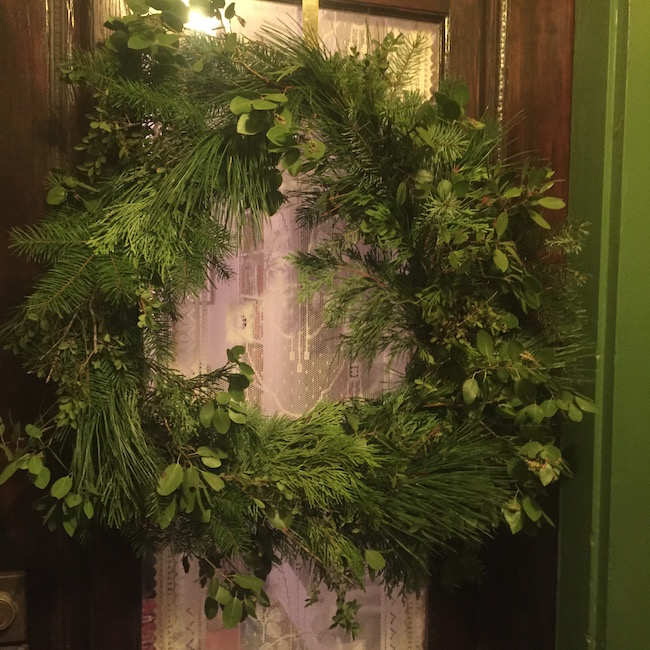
[[214, 481], [170, 480], [206, 413], [61, 487], [470, 390], [375, 559]]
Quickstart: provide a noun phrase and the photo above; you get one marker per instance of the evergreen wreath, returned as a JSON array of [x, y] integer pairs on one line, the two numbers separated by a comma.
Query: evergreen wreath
[[440, 253]]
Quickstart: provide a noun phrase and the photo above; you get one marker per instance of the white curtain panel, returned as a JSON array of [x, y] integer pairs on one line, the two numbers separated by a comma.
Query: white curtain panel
[[295, 362]]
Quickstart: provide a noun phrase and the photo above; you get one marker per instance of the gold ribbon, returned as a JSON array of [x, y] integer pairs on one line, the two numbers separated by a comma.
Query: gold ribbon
[[310, 20]]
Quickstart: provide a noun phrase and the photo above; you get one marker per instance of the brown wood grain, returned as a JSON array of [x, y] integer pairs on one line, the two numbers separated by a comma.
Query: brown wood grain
[[538, 84], [473, 50], [78, 597]]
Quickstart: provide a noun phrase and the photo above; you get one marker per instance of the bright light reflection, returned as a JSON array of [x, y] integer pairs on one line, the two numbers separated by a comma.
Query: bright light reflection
[[200, 23]]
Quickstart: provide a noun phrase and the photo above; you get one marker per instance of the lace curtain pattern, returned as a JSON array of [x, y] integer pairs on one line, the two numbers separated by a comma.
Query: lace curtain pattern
[[295, 362]]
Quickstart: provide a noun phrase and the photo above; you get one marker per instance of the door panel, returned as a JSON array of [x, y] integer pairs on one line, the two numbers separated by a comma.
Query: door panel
[[78, 598], [516, 56]]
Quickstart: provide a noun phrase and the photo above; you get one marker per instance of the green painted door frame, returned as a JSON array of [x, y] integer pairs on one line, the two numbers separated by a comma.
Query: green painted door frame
[[604, 572]]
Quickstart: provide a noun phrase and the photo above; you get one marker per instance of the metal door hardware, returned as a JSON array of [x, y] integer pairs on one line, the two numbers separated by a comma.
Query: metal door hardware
[[12, 610]]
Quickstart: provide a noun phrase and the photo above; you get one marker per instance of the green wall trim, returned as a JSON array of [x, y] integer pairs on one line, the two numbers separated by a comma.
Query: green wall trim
[[604, 569]]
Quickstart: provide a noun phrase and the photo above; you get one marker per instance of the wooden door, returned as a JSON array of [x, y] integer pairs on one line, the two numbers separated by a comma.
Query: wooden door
[[516, 56], [78, 597]]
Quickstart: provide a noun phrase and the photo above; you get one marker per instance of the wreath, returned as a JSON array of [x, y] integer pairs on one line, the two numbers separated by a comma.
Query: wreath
[[440, 252]]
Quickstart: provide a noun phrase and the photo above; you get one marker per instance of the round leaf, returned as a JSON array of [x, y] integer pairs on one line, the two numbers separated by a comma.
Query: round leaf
[[221, 421], [56, 195], [42, 480], [240, 105], [214, 481], [170, 480], [61, 487], [375, 560], [470, 390], [206, 413]]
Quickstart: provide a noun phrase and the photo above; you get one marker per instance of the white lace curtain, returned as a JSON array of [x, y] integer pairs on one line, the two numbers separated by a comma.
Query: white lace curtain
[[295, 365]]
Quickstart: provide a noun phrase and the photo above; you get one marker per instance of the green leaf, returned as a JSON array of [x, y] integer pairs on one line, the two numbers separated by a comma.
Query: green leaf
[[42, 480], [484, 343], [246, 370], [512, 193], [206, 413], [531, 449], [278, 98], [212, 463], [141, 40], [535, 413], [471, 390], [61, 487], [214, 481], [400, 197], [539, 219], [168, 40], [56, 195], [70, 526], [551, 453], [280, 134], [221, 421], [170, 480], [253, 583], [175, 20], [455, 259], [9, 471], [314, 149], [138, 6], [584, 404], [500, 260], [223, 595], [240, 105], [35, 465], [211, 608], [232, 613], [549, 408], [229, 13], [451, 110], [89, 510], [279, 520], [352, 420], [514, 519], [501, 224], [546, 475], [552, 203], [532, 509], [291, 161], [238, 382], [223, 398], [575, 414], [264, 105], [167, 515], [461, 94], [230, 42], [33, 431], [72, 499], [207, 452], [250, 124], [237, 418], [374, 559]]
